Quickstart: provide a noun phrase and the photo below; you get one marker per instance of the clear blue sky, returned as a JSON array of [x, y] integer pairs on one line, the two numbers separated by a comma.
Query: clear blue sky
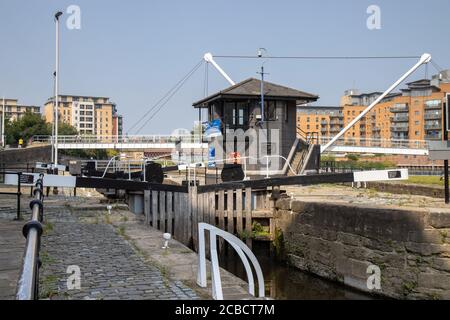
[[134, 51]]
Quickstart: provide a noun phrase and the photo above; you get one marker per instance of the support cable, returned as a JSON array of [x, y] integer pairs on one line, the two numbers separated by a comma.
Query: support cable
[[173, 92], [168, 93]]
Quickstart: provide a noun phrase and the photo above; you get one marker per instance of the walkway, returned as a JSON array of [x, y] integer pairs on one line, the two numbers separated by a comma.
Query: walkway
[[81, 234], [12, 245]]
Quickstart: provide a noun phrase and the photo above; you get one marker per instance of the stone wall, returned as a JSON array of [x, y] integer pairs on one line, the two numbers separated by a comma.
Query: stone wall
[[339, 242], [18, 157], [416, 189]]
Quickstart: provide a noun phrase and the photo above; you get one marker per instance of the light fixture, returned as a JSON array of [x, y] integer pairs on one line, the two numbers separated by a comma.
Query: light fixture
[[166, 237]]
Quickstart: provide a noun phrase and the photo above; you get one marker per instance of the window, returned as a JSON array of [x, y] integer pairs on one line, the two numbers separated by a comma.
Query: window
[[416, 123], [416, 133], [417, 113], [270, 110]]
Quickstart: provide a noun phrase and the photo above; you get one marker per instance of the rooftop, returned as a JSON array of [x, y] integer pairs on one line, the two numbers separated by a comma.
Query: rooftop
[[251, 88]]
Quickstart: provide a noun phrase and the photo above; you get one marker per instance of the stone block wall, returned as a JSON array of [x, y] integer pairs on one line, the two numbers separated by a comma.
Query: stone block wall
[[340, 242]]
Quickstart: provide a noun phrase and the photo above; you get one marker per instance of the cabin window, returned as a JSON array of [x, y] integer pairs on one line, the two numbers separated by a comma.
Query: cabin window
[[236, 114], [270, 110]]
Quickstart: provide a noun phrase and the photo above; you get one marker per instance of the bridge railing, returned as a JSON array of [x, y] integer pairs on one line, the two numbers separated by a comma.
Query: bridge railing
[[28, 286], [378, 143], [114, 139]]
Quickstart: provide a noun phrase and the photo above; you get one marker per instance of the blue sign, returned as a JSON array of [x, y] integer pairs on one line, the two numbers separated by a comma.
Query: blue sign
[[213, 129], [211, 157]]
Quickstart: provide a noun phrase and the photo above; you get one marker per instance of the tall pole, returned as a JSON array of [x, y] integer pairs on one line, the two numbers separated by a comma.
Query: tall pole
[[57, 15], [445, 136], [262, 93], [3, 124]]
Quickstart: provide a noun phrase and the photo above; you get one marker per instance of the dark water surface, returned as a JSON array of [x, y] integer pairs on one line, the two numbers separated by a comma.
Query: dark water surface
[[284, 282]]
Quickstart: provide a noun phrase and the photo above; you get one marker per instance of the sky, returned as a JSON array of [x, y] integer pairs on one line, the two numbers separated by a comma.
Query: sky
[[135, 51]]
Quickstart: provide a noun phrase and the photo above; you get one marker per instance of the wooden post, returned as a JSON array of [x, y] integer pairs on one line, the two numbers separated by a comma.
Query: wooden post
[[248, 216], [155, 209], [184, 198], [147, 205], [212, 208], [178, 233], [162, 211], [230, 211], [169, 213], [221, 215], [239, 217], [195, 214]]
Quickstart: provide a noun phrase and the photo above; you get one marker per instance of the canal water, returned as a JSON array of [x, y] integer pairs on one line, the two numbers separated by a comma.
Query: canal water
[[284, 282]]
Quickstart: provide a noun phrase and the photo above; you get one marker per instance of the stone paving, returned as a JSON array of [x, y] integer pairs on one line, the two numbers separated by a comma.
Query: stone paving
[[110, 267], [335, 193], [12, 244]]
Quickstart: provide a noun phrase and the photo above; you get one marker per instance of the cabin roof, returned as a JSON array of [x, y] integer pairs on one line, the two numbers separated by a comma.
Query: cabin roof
[[251, 88]]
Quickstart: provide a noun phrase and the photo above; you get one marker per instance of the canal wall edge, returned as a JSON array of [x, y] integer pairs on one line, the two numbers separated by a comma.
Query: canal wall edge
[[411, 248]]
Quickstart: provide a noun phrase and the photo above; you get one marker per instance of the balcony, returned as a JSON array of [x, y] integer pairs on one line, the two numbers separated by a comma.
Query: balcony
[[323, 122], [436, 115], [400, 127], [400, 117], [337, 122], [433, 126], [433, 136], [399, 107], [399, 136], [433, 105]]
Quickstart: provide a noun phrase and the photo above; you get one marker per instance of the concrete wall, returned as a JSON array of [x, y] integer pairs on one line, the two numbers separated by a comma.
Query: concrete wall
[[339, 242], [416, 189], [17, 157]]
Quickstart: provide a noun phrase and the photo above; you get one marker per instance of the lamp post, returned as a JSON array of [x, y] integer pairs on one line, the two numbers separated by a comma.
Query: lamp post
[[3, 124], [57, 15]]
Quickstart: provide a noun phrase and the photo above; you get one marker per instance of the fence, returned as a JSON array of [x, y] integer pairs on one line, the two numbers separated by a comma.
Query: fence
[[18, 193], [178, 210], [28, 286]]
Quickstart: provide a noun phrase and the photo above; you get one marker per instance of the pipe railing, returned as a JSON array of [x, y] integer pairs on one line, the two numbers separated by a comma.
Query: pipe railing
[[377, 143], [28, 286], [18, 193], [241, 249], [88, 139]]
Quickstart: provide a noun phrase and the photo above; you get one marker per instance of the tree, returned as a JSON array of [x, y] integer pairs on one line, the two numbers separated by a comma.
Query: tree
[[27, 126]]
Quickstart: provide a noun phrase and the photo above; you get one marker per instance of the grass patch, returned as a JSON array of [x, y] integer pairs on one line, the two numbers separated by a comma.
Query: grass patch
[[48, 287], [48, 227], [427, 180]]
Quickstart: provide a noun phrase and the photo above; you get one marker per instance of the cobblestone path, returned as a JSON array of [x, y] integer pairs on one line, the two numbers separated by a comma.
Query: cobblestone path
[[110, 267]]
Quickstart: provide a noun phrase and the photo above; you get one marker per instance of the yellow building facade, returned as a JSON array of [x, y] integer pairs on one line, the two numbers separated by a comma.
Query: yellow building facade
[[14, 111], [414, 113], [89, 115]]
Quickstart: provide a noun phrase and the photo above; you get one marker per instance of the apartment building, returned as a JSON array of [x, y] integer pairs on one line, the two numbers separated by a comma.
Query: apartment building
[[320, 121], [14, 111], [89, 115], [414, 113]]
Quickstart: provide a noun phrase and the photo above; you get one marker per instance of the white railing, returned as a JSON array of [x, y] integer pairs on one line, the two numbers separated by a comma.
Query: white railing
[[242, 250], [377, 143], [94, 139]]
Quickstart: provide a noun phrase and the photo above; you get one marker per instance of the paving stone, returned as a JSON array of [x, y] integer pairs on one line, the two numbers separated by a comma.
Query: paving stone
[[110, 268]]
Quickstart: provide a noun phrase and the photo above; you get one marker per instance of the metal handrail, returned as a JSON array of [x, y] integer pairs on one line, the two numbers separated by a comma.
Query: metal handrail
[[375, 142], [116, 139], [19, 190], [28, 286]]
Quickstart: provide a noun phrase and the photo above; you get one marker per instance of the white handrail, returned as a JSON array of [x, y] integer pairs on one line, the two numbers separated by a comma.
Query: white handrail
[[242, 250]]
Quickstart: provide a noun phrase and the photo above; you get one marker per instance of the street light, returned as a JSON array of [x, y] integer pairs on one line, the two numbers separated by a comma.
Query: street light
[[57, 15]]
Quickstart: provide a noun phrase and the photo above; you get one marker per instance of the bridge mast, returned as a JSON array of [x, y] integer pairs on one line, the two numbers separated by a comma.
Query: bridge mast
[[425, 58]]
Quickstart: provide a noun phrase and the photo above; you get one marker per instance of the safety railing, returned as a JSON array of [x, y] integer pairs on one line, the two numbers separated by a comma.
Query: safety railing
[[18, 193], [379, 143], [126, 139], [28, 286], [242, 250]]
